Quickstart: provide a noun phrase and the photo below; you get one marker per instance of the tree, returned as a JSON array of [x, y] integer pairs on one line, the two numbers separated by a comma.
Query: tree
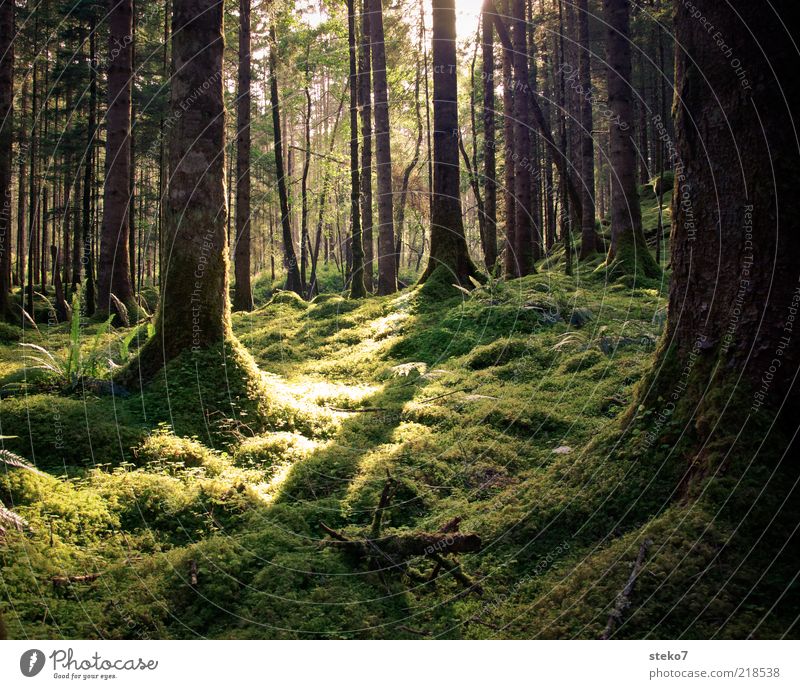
[[387, 270], [243, 293], [6, 139], [628, 252], [194, 310], [357, 288], [365, 104], [589, 237], [293, 281], [448, 245], [735, 285], [114, 271], [489, 143]]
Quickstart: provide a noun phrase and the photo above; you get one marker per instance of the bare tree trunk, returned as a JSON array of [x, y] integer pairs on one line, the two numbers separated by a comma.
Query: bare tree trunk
[[387, 271], [365, 104], [6, 143], [88, 176], [489, 143], [589, 243], [293, 281], [243, 292], [628, 250], [357, 287], [448, 244], [114, 272]]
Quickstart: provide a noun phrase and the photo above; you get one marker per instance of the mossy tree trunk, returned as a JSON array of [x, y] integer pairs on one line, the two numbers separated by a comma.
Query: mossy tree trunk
[[387, 270], [628, 251], [113, 268], [448, 245], [194, 311], [735, 290], [243, 293]]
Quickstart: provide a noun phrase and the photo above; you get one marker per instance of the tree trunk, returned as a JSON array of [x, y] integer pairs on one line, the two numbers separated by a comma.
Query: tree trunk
[[6, 142], [243, 293], [357, 287], [194, 311], [448, 245], [293, 281], [88, 176], [387, 271], [628, 252], [114, 271], [589, 243], [365, 104], [489, 144], [735, 290], [509, 205]]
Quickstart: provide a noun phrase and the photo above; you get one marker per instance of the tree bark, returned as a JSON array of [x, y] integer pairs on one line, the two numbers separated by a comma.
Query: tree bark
[[114, 271], [357, 287], [448, 244], [293, 281], [387, 270], [6, 142], [365, 105], [194, 310], [243, 292], [735, 283], [589, 244], [628, 252], [489, 144]]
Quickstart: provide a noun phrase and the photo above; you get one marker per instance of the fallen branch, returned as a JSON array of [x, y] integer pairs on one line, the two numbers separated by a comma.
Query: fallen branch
[[623, 601], [74, 579]]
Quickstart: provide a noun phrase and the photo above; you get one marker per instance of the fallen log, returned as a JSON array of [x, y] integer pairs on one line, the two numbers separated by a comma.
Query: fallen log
[[403, 546], [74, 579]]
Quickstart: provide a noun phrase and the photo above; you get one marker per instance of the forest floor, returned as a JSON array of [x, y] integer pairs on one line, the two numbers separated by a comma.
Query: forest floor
[[199, 502]]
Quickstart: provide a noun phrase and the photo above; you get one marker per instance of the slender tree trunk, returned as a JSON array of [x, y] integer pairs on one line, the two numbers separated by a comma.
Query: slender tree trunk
[[387, 270], [132, 175], [628, 250], [243, 292], [489, 143], [304, 241], [6, 145], [194, 310], [448, 244], [114, 272], [88, 175], [365, 104], [293, 281], [589, 243], [21, 186], [357, 287], [510, 261], [33, 205]]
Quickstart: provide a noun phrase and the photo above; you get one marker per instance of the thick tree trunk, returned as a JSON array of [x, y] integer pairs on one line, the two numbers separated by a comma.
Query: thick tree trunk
[[387, 271], [365, 105], [448, 245], [6, 141], [735, 286], [628, 252], [589, 242], [293, 281], [357, 287], [194, 311], [243, 293], [489, 143], [114, 271]]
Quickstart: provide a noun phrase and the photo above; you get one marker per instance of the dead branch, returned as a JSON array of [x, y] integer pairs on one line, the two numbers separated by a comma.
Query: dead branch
[[59, 582], [624, 598]]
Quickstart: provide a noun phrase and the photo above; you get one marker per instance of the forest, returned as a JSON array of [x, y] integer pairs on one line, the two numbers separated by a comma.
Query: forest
[[399, 319]]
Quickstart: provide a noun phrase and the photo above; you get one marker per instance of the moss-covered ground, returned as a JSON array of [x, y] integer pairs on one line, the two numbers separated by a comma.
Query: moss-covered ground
[[509, 407]]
